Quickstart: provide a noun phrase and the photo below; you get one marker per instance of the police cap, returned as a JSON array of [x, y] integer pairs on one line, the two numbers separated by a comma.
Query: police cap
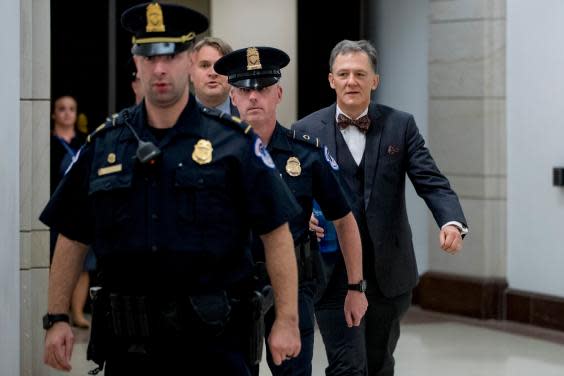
[[252, 67], [162, 29]]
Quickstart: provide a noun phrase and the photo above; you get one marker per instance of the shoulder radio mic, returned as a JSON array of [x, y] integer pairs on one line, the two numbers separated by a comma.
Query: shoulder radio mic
[[146, 150]]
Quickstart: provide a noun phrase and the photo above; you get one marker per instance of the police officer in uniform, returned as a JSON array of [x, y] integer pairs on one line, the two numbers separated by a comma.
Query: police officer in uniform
[[167, 193], [311, 173]]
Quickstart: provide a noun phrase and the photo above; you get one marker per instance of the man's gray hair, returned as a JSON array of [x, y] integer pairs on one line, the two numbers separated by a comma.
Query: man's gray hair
[[351, 46]]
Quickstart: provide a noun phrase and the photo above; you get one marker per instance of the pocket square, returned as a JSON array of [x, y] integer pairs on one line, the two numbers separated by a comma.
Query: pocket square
[[393, 149]]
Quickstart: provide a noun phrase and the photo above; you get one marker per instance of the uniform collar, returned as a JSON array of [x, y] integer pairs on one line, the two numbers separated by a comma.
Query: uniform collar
[[188, 122], [279, 140]]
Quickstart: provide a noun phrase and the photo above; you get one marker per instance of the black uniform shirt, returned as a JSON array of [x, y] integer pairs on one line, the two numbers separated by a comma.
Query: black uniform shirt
[[175, 221], [311, 173]]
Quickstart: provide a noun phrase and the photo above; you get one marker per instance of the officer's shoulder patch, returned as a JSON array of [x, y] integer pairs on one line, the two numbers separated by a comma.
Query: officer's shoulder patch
[[111, 122], [329, 158], [227, 119], [304, 137], [262, 153]]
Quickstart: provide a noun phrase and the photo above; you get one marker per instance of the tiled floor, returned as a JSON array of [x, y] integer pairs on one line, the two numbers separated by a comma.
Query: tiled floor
[[440, 345]]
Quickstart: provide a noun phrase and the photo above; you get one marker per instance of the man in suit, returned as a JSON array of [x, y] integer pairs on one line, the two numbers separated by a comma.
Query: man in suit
[[376, 147], [211, 89], [311, 173]]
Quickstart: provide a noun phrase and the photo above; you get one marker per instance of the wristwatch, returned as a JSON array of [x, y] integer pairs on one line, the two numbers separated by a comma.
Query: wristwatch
[[50, 319], [361, 286]]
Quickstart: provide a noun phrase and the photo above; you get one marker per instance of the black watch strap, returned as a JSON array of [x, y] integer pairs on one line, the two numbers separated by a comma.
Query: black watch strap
[[50, 319], [361, 286]]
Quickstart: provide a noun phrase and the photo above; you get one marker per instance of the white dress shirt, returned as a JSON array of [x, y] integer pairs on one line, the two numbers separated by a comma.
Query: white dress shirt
[[354, 138]]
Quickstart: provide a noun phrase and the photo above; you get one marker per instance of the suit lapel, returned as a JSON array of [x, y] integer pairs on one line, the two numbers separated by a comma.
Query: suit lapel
[[327, 132], [371, 151]]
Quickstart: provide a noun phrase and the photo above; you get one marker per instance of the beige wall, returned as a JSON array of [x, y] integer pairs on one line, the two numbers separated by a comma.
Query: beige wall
[[9, 191], [467, 130], [34, 179], [272, 23]]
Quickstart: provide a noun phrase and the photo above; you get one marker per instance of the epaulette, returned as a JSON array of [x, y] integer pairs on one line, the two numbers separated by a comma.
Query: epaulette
[[303, 137], [228, 119], [108, 124]]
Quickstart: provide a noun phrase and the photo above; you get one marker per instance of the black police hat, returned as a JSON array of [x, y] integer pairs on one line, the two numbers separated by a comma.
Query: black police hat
[[252, 67], [162, 29]]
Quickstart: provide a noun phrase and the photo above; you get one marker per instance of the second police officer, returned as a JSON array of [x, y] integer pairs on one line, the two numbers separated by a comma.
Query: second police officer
[[166, 193], [311, 173]]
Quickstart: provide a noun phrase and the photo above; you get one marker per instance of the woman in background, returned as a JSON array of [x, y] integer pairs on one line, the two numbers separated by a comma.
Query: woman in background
[[65, 143]]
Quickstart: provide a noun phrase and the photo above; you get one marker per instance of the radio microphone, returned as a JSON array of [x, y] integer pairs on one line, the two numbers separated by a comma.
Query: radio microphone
[[146, 150]]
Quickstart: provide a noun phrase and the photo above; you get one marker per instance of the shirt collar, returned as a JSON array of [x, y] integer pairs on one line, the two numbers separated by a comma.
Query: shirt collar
[[339, 111], [223, 107], [279, 140]]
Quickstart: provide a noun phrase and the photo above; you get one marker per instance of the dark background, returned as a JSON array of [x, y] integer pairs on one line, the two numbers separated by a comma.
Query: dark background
[[90, 52]]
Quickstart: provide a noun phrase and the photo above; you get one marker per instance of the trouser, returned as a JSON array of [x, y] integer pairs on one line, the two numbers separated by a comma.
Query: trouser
[[300, 365], [367, 349], [181, 358], [178, 342]]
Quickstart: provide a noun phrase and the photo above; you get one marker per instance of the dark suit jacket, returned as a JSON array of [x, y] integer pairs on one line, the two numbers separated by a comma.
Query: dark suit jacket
[[394, 149]]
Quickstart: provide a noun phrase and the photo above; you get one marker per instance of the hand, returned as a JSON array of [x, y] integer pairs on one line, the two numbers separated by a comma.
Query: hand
[[59, 341], [313, 226], [284, 340], [450, 239], [355, 307]]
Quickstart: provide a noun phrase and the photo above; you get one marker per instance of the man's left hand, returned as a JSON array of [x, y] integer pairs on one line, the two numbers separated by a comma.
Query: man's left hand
[[355, 307], [450, 239]]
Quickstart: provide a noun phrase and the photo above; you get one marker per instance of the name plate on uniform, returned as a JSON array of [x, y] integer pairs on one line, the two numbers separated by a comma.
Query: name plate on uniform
[[109, 170]]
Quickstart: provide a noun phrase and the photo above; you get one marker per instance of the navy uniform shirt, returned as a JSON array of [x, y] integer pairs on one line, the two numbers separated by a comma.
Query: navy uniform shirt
[[175, 221], [311, 173]]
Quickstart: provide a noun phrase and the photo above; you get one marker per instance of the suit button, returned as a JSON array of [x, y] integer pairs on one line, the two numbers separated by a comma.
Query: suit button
[[154, 248], [155, 217]]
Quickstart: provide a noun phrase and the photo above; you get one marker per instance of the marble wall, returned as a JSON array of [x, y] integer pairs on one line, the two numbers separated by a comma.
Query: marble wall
[[9, 190], [34, 106], [467, 130]]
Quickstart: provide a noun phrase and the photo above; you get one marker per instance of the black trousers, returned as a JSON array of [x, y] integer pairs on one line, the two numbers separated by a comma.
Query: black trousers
[[300, 365], [367, 349], [180, 357], [193, 351]]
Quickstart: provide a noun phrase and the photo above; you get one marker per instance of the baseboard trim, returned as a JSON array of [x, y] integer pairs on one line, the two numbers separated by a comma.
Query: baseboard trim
[[536, 309], [487, 298], [466, 296]]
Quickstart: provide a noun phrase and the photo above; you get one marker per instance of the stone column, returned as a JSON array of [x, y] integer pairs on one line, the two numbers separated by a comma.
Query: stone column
[[467, 136], [34, 178], [9, 190]]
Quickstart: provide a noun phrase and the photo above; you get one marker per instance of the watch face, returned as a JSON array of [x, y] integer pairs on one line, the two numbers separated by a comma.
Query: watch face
[[46, 322], [362, 285]]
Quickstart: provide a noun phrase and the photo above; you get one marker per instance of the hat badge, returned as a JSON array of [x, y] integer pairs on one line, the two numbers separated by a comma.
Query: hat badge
[[293, 166], [253, 59], [202, 153], [155, 23]]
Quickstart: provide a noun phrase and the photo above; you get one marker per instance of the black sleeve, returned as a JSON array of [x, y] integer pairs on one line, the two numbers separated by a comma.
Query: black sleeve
[[267, 198], [327, 188], [428, 181], [69, 211]]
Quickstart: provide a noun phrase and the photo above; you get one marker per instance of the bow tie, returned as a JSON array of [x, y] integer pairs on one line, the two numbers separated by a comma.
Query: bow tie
[[362, 123]]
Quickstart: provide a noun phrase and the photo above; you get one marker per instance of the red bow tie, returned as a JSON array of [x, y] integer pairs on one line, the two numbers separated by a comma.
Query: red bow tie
[[362, 123]]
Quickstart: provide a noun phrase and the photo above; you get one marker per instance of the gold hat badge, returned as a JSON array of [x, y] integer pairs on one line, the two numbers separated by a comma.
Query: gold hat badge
[[202, 153], [155, 23], [293, 166], [253, 59]]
